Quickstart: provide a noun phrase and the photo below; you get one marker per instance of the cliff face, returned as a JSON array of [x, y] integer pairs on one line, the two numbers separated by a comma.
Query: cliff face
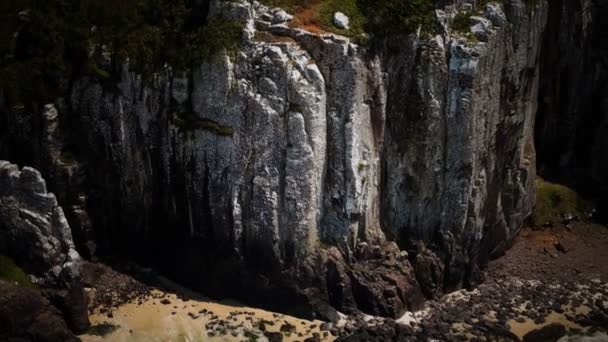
[[296, 160], [573, 108], [459, 157]]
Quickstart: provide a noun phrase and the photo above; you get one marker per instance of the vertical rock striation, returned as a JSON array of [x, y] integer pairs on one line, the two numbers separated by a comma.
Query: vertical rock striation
[[459, 152], [315, 170], [573, 110]]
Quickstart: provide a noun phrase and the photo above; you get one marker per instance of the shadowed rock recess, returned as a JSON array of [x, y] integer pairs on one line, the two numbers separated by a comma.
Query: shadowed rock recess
[[303, 172]]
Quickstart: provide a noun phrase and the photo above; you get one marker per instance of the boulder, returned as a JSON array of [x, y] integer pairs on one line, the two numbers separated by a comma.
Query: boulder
[[341, 21], [281, 17], [549, 333]]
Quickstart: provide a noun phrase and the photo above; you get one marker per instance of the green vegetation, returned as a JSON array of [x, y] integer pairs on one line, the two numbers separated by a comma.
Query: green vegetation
[[289, 5], [189, 122], [462, 22], [12, 273], [62, 39], [553, 200], [218, 34], [325, 16], [381, 18], [390, 17], [94, 70]]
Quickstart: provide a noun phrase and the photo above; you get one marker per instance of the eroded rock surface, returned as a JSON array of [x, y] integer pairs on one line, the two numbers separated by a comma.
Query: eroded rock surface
[[33, 228], [36, 234], [280, 161]]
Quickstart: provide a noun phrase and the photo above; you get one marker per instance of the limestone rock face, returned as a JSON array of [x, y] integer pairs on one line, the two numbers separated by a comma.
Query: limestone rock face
[[33, 227], [36, 234], [459, 149], [280, 162]]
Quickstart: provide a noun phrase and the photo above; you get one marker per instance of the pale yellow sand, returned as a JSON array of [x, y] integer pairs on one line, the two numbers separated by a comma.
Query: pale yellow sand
[[152, 321]]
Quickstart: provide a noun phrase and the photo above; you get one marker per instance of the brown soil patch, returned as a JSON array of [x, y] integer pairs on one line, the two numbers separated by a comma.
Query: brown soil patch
[[559, 253], [305, 17]]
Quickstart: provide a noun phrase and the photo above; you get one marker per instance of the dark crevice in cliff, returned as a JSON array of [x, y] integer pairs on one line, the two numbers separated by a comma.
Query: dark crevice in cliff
[[164, 198], [572, 121]]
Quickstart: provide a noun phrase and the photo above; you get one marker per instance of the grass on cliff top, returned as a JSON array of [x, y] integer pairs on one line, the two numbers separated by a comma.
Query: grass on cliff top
[[10, 272], [318, 15], [380, 18], [554, 200]]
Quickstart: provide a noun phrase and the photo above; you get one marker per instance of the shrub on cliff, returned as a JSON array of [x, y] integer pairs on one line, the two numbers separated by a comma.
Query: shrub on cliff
[[381, 18], [62, 39], [390, 17]]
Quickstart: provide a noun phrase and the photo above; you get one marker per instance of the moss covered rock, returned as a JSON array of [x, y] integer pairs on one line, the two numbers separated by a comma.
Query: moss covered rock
[[11, 273], [555, 200]]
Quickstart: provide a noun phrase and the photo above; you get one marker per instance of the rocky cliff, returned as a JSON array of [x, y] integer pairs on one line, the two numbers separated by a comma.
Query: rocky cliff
[[573, 108], [36, 234], [318, 171]]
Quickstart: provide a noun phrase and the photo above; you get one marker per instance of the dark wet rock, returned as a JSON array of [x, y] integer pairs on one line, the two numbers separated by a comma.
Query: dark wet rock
[[102, 329], [568, 218], [288, 328], [273, 336], [429, 272], [547, 225], [25, 315], [384, 283], [390, 331], [549, 333], [315, 338], [561, 247], [327, 326]]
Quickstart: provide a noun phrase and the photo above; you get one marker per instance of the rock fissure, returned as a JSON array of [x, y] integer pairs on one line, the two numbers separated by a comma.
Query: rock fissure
[[312, 167]]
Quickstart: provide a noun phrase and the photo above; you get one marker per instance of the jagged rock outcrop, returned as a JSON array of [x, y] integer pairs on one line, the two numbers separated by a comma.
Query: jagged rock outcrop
[[290, 160], [36, 234], [33, 227]]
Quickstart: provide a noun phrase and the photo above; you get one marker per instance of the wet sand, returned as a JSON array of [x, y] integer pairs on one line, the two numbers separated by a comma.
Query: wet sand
[[195, 320]]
